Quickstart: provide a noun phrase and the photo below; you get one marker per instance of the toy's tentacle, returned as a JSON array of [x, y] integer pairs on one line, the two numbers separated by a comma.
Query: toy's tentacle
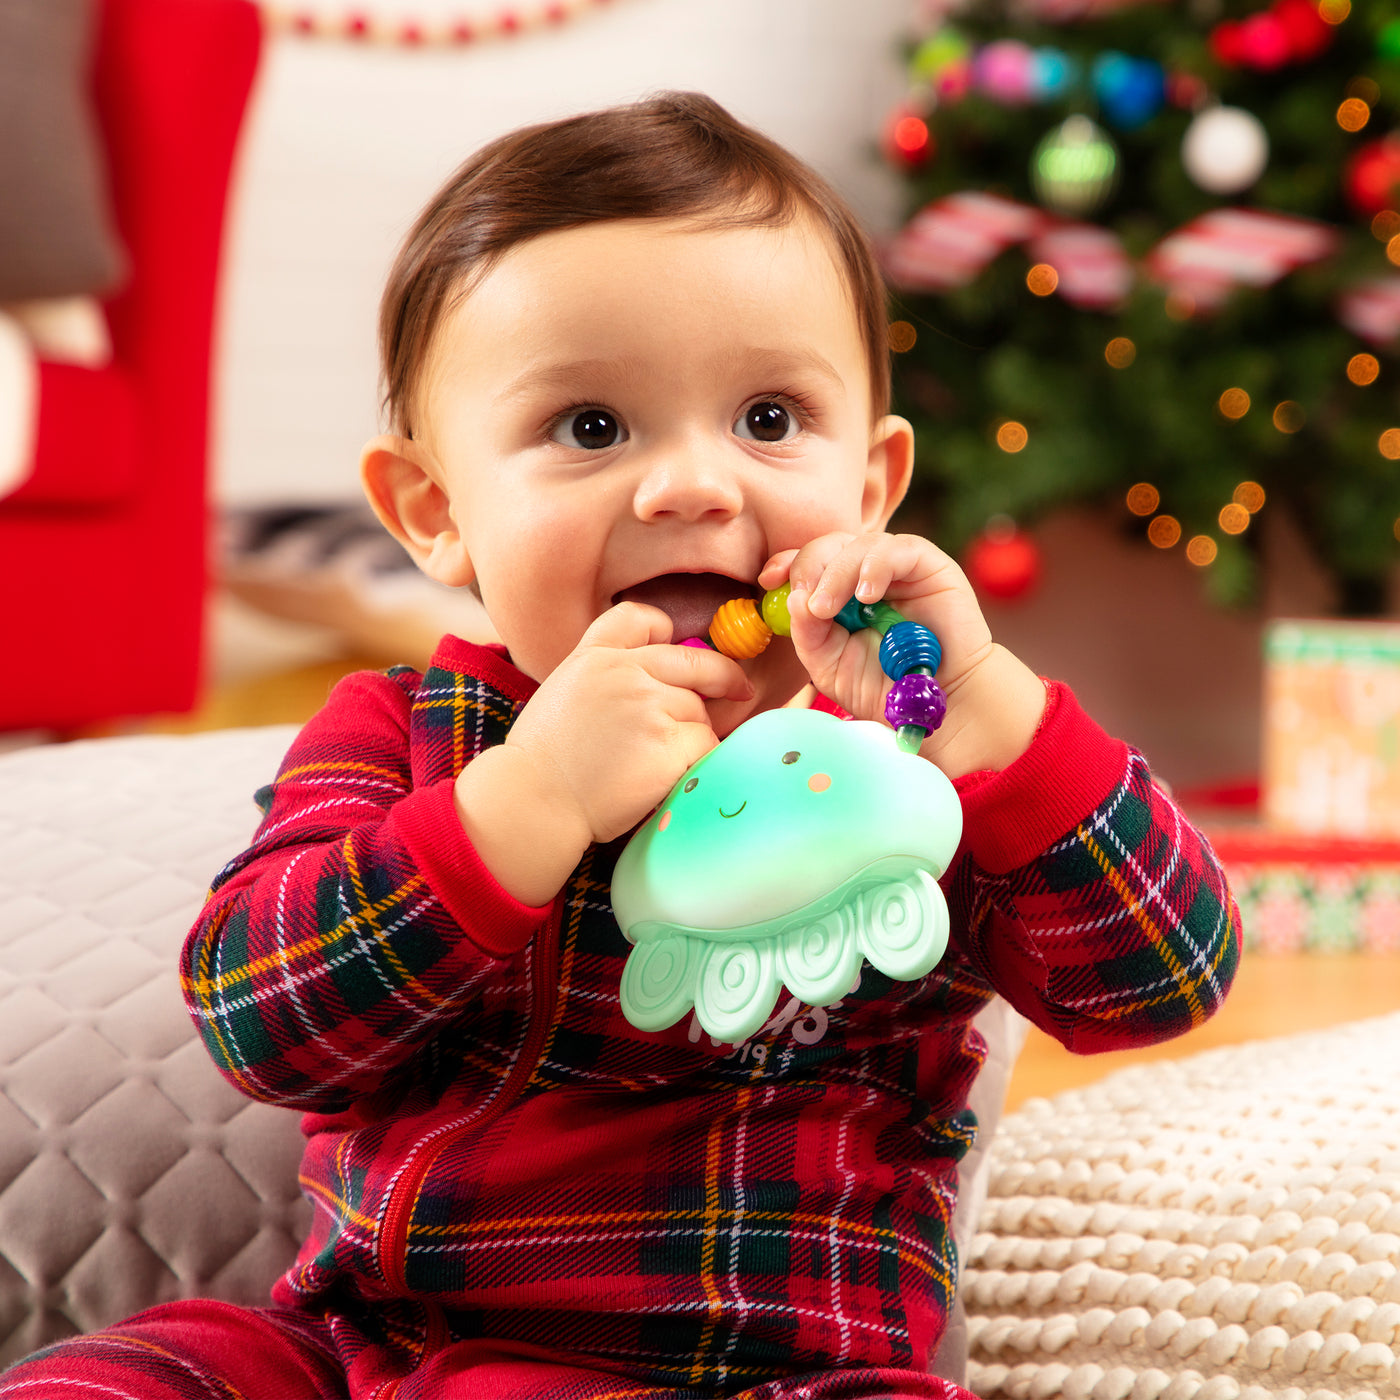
[[736, 989], [658, 981], [818, 962], [903, 926]]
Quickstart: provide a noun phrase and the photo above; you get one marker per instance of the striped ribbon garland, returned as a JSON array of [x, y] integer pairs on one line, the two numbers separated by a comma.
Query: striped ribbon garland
[[360, 25]]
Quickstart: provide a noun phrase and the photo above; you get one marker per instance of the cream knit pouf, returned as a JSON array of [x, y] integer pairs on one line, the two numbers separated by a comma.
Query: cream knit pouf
[[1224, 1227]]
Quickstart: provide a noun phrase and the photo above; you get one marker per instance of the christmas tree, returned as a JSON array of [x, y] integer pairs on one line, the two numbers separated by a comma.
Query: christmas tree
[[1151, 261]]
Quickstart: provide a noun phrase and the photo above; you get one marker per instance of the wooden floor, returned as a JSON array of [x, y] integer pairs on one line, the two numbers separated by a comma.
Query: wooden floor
[[1272, 996]]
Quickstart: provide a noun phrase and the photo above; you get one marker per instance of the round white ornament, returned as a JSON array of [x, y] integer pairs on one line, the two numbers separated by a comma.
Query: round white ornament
[[1225, 150]]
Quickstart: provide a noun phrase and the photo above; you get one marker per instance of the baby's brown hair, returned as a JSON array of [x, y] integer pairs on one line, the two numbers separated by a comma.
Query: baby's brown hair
[[677, 155]]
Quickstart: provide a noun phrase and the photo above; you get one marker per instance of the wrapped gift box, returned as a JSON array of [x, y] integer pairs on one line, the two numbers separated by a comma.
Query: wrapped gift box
[[1332, 729], [1312, 894]]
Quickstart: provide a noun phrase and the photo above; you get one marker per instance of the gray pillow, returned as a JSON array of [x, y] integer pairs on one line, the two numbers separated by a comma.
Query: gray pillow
[[56, 232]]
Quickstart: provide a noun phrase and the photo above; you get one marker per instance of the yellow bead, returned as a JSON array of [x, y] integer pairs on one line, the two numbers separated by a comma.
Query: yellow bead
[[738, 631], [775, 610]]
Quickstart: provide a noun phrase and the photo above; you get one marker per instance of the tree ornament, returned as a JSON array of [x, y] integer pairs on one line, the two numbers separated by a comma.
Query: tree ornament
[[1227, 43], [1264, 42], [1225, 150], [1289, 31], [908, 143], [1092, 266], [948, 243], [1074, 169], [1003, 562], [943, 49], [1131, 91], [1372, 310], [1054, 73], [1005, 71], [1206, 259], [1308, 33], [1371, 180]]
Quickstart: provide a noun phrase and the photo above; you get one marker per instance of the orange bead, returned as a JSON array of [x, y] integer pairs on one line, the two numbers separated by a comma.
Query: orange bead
[[738, 631]]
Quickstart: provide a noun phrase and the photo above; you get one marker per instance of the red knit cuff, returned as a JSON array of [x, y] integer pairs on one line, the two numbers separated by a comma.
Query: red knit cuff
[[491, 917], [1012, 816]]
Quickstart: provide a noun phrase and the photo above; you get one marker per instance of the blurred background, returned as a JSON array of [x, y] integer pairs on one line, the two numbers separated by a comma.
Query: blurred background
[[1145, 301]]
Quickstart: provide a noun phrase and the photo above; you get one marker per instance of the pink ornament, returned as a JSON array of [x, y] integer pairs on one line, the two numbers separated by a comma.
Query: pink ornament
[[1005, 71], [1265, 42]]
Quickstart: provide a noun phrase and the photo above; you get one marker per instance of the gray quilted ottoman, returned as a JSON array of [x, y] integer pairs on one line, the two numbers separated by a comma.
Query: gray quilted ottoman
[[130, 1173]]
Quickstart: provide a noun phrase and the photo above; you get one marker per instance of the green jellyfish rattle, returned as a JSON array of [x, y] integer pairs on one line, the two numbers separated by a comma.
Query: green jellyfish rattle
[[799, 846]]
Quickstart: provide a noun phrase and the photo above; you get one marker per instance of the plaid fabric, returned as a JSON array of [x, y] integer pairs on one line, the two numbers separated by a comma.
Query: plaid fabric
[[199, 1350], [487, 1135]]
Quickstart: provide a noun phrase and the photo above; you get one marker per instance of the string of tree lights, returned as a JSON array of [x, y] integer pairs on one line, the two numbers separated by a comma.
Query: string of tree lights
[[1153, 260]]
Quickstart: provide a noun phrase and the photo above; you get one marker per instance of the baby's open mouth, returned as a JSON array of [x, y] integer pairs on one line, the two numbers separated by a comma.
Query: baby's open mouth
[[689, 600]]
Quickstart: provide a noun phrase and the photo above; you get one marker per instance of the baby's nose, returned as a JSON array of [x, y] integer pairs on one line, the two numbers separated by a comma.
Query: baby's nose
[[688, 485]]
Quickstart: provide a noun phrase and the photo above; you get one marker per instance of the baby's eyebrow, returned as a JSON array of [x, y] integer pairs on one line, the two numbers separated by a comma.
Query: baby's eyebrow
[[758, 362], [570, 375], [762, 360]]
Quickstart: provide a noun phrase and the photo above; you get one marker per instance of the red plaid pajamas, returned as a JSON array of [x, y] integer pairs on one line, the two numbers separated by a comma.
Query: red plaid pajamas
[[516, 1189]]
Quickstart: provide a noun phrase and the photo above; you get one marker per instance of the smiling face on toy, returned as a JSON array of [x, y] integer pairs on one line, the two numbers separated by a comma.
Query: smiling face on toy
[[785, 811]]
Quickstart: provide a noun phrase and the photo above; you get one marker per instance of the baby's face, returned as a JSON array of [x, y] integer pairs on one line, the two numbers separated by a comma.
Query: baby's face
[[649, 411]]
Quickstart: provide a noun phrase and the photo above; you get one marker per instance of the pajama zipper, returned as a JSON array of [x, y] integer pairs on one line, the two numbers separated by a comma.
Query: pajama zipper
[[398, 1214]]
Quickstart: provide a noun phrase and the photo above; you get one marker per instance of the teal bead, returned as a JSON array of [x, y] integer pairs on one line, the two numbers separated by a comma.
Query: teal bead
[[853, 616]]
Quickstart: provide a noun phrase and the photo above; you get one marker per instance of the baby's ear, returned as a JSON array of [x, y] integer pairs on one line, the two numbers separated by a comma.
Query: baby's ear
[[888, 468], [403, 481]]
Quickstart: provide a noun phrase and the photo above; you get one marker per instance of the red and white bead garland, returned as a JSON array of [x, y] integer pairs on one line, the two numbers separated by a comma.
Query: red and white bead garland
[[505, 22]]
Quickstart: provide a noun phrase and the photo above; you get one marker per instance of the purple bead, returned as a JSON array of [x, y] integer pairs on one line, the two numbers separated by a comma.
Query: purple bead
[[916, 699]]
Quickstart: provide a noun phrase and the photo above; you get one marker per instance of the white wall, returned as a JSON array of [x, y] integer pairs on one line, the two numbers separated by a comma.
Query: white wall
[[344, 142]]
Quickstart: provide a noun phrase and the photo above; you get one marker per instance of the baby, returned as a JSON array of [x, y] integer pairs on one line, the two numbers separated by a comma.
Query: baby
[[636, 365]]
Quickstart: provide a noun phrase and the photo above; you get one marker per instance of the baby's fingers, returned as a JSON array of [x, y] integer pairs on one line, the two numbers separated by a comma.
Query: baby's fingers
[[872, 567], [700, 670], [628, 625]]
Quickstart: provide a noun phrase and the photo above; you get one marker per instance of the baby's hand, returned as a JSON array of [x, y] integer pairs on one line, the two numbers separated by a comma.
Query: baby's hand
[[994, 701], [594, 750]]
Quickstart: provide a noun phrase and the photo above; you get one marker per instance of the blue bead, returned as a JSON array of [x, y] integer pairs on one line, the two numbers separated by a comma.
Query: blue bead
[[906, 646]]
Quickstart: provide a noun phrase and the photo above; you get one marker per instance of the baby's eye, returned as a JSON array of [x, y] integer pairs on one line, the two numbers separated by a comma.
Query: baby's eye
[[767, 421], [593, 428]]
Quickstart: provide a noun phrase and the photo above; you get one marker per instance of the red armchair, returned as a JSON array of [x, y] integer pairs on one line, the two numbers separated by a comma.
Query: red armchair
[[102, 550]]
